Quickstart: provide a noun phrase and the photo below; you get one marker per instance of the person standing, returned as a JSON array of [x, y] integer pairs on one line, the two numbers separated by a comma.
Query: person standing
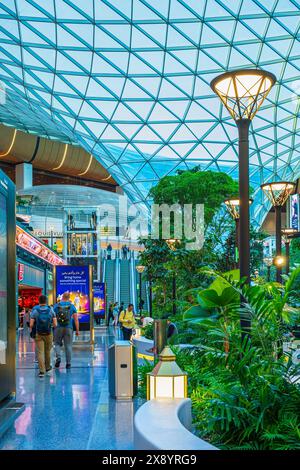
[[65, 312], [109, 250], [127, 321], [27, 317], [116, 314], [110, 313], [121, 308], [42, 318], [171, 329]]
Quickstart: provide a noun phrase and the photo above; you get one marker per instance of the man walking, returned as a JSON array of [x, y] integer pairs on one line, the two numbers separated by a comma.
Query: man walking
[[65, 312], [42, 318], [127, 321]]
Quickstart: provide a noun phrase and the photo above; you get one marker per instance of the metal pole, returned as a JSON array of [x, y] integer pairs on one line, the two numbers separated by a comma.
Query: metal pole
[[140, 286], [269, 273], [287, 256], [244, 223], [278, 240], [160, 336], [150, 297], [237, 242]]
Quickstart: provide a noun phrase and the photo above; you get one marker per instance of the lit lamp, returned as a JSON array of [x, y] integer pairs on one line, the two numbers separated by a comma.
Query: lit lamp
[[268, 261], [242, 92], [166, 380], [173, 245], [140, 269], [279, 261], [233, 207], [278, 193], [287, 234]]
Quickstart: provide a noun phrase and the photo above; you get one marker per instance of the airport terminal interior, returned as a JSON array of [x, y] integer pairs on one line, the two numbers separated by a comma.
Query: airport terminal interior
[[149, 225]]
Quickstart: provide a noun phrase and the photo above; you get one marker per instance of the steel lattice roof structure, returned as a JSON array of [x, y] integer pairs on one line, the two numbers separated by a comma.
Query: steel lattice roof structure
[[128, 80]]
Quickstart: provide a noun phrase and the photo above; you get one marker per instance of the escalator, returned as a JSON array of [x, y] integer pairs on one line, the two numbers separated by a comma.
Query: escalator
[[109, 278], [121, 282], [125, 284]]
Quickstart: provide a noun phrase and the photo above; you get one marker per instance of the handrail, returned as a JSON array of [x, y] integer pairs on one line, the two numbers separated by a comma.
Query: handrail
[[133, 283]]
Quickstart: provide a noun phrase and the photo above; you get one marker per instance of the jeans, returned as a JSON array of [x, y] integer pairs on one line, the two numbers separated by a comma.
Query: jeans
[[44, 345], [63, 336], [127, 333]]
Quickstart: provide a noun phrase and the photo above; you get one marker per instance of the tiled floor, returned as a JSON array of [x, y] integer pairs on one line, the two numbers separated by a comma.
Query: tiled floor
[[71, 409]]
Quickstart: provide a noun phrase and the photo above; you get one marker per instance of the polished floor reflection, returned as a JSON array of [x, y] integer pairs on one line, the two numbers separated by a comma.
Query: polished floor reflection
[[70, 409]]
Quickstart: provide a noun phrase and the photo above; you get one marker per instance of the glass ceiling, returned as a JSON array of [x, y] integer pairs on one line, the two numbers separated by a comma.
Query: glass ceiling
[[129, 81]]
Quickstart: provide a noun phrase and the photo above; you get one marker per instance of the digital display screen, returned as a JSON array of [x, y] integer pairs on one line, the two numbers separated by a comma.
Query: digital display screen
[[99, 298], [76, 281], [294, 205]]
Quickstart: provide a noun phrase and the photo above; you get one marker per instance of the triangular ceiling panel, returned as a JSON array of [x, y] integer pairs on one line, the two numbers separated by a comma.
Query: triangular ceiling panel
[[129, 81]]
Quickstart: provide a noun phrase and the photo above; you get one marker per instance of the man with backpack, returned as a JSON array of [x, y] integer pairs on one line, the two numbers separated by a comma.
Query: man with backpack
[[42, 318], [127, 321], [65, 312]]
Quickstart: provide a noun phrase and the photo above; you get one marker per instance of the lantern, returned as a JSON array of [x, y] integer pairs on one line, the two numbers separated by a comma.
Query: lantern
[[166, 380]]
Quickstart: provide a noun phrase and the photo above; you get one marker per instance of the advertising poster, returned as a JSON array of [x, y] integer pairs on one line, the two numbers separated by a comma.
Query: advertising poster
[[75, 280], [99, 299], [294, 204]]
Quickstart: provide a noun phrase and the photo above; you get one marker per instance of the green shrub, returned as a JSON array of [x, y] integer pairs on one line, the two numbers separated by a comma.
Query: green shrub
[[148, 331]]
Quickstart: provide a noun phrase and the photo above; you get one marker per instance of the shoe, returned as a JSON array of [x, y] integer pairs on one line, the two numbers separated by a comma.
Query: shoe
[[68, 366], [57, 363], [48, 371], [41, 375]]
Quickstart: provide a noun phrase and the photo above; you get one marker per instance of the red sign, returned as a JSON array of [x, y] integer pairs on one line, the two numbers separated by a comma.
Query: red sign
[[34, 246], [20, 272]]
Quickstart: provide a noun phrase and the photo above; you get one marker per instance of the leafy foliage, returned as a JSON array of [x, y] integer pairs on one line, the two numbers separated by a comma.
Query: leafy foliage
[[245, 395], [195, 187]]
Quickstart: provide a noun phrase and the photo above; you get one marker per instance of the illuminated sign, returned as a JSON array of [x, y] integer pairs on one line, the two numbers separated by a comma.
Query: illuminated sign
[[48, 234], [294, 212], [76, 281], [99, 298], [31, 244], [20, 272]]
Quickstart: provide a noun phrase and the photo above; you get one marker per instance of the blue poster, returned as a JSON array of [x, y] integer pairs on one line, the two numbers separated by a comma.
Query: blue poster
[[75, 280], [294, 204], [99, 298]]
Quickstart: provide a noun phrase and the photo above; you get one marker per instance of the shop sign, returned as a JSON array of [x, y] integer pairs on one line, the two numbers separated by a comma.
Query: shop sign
[[21, 269], [47, 234], [34, 246]]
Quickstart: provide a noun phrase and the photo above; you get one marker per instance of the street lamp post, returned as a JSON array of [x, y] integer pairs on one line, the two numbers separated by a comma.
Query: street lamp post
[[242, 92], [278, 193], [268, 261], [233, 207], [150, 296], [140, 269], [287, 235], [172, 244]]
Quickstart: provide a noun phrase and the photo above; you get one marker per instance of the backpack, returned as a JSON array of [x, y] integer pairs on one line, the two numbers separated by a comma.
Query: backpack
[[43, 321], [63, 315]]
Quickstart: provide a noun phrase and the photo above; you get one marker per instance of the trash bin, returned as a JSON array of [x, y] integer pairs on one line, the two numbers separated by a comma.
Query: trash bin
[[122, 370]]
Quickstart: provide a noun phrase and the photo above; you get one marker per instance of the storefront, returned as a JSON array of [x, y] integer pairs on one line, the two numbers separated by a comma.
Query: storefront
[[35, 263]]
